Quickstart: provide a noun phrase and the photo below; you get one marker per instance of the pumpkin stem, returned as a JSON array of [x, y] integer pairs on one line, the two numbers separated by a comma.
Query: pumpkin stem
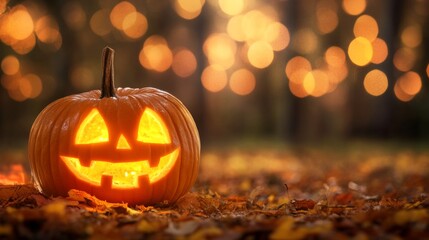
[[108, 81]]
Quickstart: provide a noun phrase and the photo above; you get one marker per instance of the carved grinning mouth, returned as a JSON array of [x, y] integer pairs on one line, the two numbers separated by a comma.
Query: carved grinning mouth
[[123, 174]]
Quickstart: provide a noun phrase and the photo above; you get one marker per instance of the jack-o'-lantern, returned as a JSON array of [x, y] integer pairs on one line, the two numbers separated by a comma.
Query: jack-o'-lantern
[[138, 146]]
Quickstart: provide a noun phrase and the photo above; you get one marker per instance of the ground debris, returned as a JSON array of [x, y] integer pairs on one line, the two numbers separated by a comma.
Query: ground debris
[[327, 197]]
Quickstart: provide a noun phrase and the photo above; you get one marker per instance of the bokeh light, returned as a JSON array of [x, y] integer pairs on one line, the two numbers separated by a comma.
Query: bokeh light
[[184, 63], [380, 51], [410, 83], [360, 51], [375, 82], [214, 78], [82, 78], [305, 41], [10, 65], [220, 49], [242, 82], [119, 13], [155, 54], [411, 36], [232, 7], [327, 17], [354, 7], [260, 54], [404, 59], [19, 24], [335, 56], [367, 27], [297, 68], [277, 35], [134, 25], [188, 9], [99, 22]]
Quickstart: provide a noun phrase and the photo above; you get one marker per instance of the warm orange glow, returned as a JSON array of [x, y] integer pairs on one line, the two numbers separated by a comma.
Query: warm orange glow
[[119, 12], [375, 82], [19, 24], [155, 54], [360, 51], [327, 20], [220, 49], [14, 175], [260, 54], [46, 29], [411, 36], [305, 41], [277, 35], [34, 84], [254, 24], [427, 70], [24, 46], [93, 129], [297, 90], [335, 56], [3, 4], [410, 83], [99, 22], [214, 78], [380, 51], [184, 63], [188, 9], [367, 27], [231, 7], [123, 143], [297, 68], [354, 7], [134, 25], [242, 82], [404, 59], [152, 128], [10, 65], [401, 95], [316, 83], [234, 29], [124, 174]]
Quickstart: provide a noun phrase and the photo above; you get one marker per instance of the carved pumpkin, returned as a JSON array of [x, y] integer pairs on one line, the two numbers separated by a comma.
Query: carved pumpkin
[[139, 146]]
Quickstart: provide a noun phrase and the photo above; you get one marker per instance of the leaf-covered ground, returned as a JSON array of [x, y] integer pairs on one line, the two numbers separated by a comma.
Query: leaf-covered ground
[[358, 191]]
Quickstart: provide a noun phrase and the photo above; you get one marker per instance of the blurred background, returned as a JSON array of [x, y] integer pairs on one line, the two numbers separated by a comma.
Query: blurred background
[[283, 71]]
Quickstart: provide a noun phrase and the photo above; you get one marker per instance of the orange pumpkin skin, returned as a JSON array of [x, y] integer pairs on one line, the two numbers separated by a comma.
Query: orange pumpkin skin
[[53, 137]]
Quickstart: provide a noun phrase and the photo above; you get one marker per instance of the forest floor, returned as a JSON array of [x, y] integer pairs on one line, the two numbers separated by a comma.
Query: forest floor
[[354, 191]]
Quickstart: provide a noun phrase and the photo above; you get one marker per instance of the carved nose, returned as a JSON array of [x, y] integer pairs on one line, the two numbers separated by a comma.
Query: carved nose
[[122, 143]]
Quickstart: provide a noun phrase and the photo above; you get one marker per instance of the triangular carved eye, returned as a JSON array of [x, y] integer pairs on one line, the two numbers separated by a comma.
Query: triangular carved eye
[[93, 129], [152, 128]]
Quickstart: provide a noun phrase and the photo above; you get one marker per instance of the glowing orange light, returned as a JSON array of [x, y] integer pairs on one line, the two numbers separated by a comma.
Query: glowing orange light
[[260, 54], [19, 24], [35, 85], [354, 7], [242, 82], [316, 83], [99, 23], [401, 95], [231, 7], [411, 36], [277, 35], [254, 24], [220, 50], [234, 29], [214, 78], [155, 54], [184, 63], [24, 46], [46, 29], [93, 129], [380, 51], [335, 56], [360, 51], [375, 82], [404, 59], [297, 68], [10, 65], [124, 174], [410, 83], [152, 128], [188, 9], [74, 15], [134, 25], [119, 12], [327, 20], [367, 27], [297, 90]]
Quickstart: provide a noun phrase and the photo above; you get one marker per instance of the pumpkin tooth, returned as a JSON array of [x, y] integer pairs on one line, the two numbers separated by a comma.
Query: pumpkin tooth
[[144, 182], [106, 181]]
